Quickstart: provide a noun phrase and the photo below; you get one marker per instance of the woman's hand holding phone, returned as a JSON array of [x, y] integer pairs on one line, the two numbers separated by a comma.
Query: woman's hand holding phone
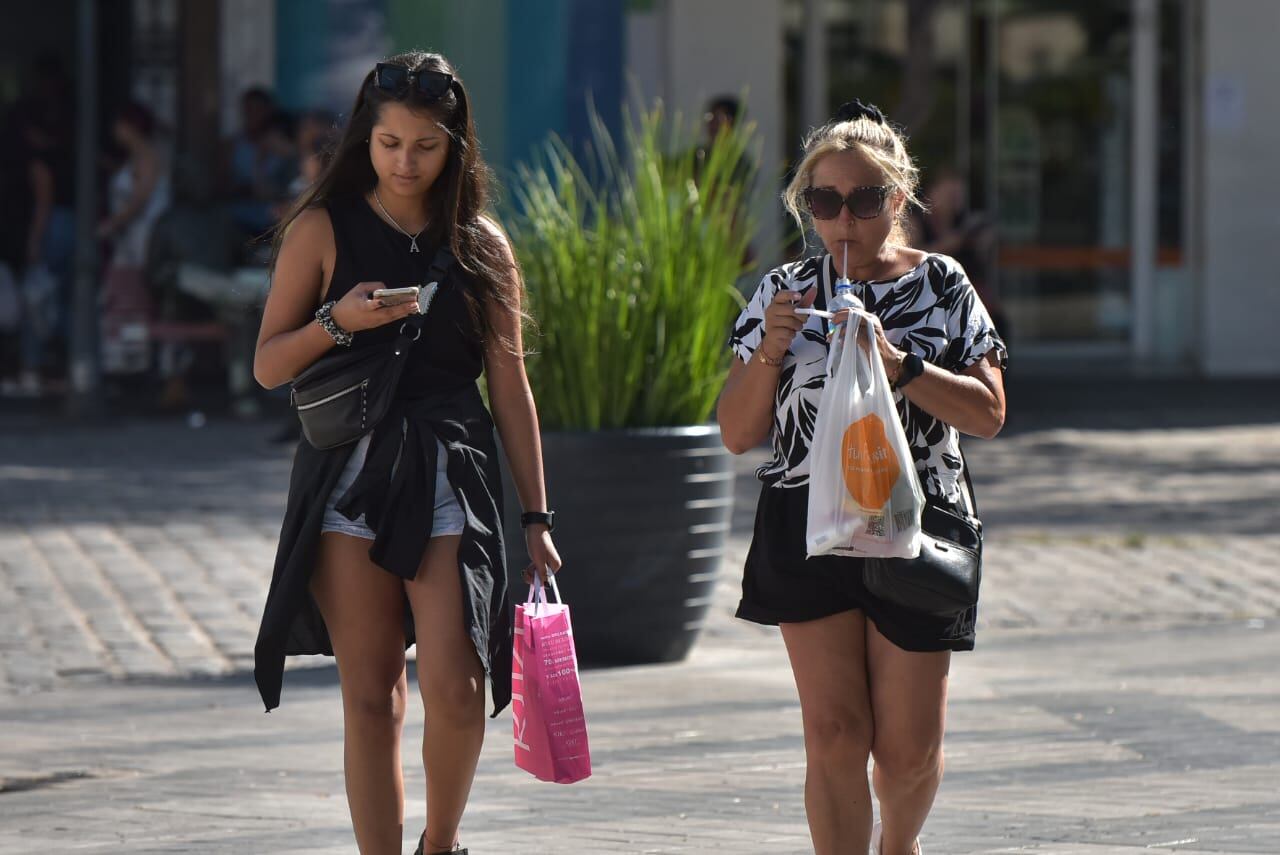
[[359, 310], [396, 296]]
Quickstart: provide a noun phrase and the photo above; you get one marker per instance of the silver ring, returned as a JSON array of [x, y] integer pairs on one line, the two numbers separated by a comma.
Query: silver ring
[[417, 334]]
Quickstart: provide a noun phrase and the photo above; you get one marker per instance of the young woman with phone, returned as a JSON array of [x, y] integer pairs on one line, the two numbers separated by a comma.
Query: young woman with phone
[[396, 538]]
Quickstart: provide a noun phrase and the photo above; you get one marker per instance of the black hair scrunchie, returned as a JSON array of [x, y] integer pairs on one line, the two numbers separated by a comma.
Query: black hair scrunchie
[[855, 109]]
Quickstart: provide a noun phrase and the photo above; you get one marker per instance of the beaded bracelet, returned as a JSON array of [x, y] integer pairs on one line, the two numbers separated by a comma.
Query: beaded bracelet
[[324, 315]]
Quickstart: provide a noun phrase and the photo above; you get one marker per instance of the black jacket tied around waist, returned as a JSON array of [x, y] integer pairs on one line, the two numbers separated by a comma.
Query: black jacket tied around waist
[[395, 490]]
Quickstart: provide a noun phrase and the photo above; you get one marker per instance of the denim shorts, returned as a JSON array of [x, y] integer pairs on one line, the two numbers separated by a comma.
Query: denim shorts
[[449, 519]]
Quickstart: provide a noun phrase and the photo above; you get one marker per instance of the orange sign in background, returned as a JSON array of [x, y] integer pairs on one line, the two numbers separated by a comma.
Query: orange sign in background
[[871, 467]]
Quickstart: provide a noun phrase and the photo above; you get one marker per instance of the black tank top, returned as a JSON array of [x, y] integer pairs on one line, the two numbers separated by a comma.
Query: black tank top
[[449, 354]]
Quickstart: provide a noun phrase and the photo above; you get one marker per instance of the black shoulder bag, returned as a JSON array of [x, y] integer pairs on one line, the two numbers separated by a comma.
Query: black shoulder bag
[[345, 393], [944, 579]]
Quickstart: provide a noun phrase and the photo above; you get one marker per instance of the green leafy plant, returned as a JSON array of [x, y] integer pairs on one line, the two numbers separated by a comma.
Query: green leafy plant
[[630, 259]]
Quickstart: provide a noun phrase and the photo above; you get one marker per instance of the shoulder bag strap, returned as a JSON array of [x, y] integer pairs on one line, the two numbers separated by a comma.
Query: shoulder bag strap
[[968, 482], [437, 274]]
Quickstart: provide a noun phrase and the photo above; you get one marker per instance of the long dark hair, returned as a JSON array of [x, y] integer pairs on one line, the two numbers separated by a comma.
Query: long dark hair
[[456, 201]]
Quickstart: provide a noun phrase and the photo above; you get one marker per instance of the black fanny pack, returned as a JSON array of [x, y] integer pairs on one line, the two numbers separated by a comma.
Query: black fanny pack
[[944, 579], [345, 393]]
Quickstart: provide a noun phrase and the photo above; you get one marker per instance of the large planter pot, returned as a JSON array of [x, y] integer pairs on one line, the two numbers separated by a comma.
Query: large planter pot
[[642, 521]]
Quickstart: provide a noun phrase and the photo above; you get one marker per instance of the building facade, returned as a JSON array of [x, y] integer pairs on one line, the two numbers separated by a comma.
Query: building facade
[[1125, 150]]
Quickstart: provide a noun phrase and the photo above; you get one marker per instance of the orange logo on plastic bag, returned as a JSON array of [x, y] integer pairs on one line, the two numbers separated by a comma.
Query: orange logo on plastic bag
[[870, 465]]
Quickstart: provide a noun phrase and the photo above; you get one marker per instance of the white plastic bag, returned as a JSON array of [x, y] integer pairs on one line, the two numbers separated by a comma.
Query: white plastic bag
[[864, 495]]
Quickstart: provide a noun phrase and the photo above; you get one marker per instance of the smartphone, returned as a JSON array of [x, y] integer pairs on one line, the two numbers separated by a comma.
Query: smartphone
[[396, 296]]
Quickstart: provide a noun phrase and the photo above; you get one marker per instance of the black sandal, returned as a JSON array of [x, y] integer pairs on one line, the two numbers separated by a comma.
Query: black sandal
[[422, 845]]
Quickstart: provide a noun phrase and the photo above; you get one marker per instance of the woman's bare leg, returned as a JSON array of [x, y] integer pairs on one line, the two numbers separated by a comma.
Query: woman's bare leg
[[909, 699], [451, 680], [828, 659], [363, 607]]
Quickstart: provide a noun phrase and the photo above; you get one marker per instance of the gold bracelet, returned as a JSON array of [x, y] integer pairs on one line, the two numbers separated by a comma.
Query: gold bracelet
[[772, 363], [893, 381]]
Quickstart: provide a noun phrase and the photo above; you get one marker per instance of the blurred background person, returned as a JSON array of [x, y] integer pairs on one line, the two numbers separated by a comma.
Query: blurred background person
[[721, 111], [259, 163], [315, 137], [948, 226], [138, 193], [721, 116], [36, 236], [194, 233]]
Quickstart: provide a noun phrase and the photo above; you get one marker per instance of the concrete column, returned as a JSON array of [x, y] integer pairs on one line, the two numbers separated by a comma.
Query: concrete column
[[85, 399], [813, 81], [1144, 165], [1241, 185]]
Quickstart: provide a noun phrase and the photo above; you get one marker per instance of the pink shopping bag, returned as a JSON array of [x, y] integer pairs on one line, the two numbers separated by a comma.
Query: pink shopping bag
[[549, 725]]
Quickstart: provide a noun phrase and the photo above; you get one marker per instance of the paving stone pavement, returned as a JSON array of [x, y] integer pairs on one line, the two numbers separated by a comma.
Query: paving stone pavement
[[1111, 741], [1124, 696]]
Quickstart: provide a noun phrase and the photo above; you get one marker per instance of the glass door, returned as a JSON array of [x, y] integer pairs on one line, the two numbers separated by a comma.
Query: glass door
[[1021, 115], [1056, 96]]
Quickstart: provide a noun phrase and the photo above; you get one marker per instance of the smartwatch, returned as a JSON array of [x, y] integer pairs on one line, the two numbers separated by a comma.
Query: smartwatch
[[547, 518], [912, 367]]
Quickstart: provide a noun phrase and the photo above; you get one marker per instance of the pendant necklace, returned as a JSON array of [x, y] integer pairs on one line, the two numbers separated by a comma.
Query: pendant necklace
[[413, 239]]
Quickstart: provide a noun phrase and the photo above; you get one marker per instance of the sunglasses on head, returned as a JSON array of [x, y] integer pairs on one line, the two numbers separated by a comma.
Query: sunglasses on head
[[398, 80], [865, 203]]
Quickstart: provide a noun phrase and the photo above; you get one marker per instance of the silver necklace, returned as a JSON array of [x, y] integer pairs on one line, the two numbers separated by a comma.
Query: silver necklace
[[413, 239]]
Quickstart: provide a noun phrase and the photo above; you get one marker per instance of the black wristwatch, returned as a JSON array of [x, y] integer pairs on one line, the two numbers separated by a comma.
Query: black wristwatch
[[547, 518], [912, 367]]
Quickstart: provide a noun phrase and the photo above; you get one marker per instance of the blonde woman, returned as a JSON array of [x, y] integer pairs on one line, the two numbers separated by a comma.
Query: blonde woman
[[872, 677]]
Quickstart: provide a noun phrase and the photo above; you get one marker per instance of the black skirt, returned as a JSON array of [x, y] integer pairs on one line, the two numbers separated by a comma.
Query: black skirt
[[395, 491], [780, 584]]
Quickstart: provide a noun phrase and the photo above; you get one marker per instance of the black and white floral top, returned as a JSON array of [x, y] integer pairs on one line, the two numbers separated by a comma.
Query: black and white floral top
[[933, 311]]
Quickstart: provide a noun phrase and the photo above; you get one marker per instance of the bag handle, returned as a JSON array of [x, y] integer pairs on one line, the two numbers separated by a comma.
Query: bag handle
[[968, 482], [538, 592], [831, 348], [875, 363], [825, 293], [862, 322]]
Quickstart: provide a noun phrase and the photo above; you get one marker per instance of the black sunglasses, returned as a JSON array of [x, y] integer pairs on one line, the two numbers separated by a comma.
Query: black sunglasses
[[398, 80], [865, 203]]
